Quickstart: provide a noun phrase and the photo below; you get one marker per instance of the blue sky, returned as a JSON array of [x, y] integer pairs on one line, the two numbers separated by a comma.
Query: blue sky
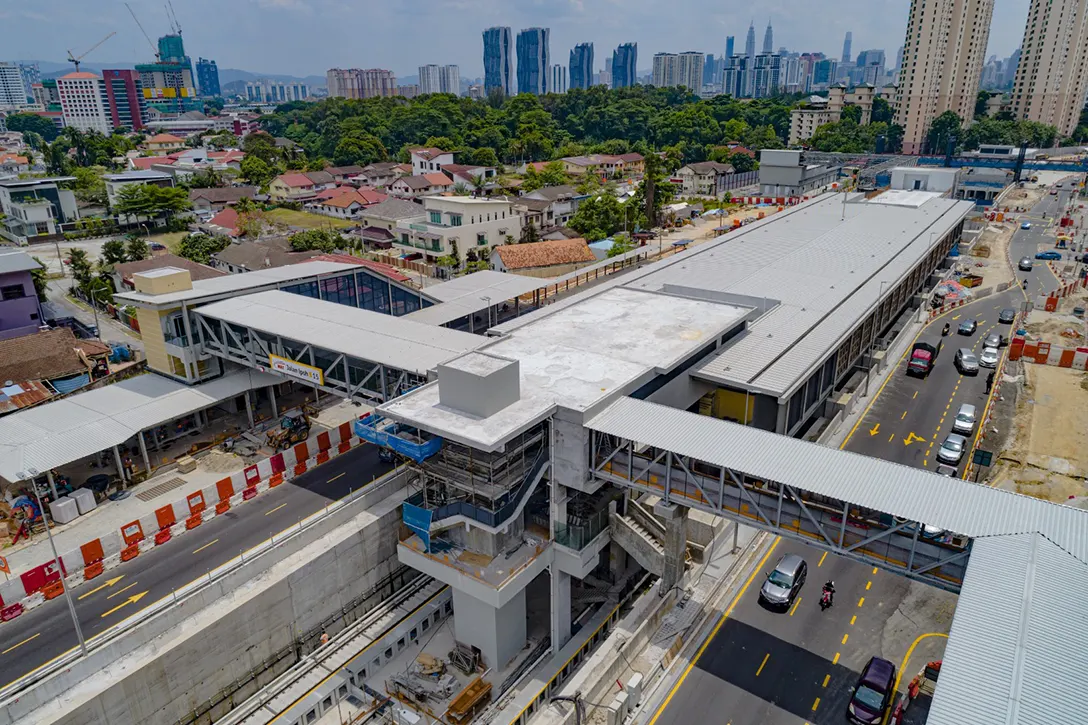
[[305, 37]]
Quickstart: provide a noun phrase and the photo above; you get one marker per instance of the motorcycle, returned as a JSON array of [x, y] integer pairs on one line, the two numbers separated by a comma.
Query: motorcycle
[[944, 332], [826, 598]]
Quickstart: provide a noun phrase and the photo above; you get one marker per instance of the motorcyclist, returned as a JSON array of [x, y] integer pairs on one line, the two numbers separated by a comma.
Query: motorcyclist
[[947, 327], [1025, 284], [829, 590]]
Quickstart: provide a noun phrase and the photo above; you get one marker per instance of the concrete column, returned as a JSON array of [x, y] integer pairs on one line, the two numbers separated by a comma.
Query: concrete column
[[272, 399], [676, 542], [560, 608], [499, 634], [143, 452], [52, 484], [249, 409], [120, 466]]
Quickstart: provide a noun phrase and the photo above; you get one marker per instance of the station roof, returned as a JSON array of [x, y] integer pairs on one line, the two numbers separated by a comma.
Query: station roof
[[206, 290], [61, 432], [372, 336], [464, 296]]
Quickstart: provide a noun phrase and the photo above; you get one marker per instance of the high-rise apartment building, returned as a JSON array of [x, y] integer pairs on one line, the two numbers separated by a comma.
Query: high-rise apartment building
[[361, 83], [942, 62], [499, 59], [557, 78], [766, 75], [533, 60], [1012, 64], [31, 74], [450, 79], [430, 80], [83, 102], [750, 41], [846, 43], [125, 99], [168, 82], [664, 69], [768, 39], [710, 70], [684, 69], [207, 77], [1051, 78], [581, 65], [624, 65], [823, 73], [729, 42], [737, 77], [12, 90], [267, 91]]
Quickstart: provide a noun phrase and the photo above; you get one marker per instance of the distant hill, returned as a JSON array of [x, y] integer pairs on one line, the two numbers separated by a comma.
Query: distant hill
[[53, 69]]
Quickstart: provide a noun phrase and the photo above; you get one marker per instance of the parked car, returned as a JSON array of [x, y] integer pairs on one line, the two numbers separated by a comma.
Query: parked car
[[784, 581], [1007, 316], [1049, 254], [968, 327], [1025, 264], [951, 451], [988, 358], [995, 340], [1053, 192], [966, 361], [946, 470], [1025, 225], [873, 693], [964, 421]]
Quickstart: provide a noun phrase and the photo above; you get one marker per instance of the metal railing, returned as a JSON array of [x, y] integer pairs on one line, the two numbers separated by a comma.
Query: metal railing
[[578, 536]]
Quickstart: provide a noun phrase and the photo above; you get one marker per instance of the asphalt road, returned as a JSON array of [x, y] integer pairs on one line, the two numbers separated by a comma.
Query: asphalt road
[[768, 668], [46, 632]]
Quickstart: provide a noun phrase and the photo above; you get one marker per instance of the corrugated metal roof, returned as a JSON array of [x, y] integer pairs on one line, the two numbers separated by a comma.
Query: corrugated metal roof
[[912, 493], [496, 285], [1015, 654], [362, 334], [53, 434], [16, 261]]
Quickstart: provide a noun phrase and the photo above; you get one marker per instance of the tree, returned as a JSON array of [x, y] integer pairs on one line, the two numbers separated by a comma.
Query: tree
[[851, 113], [256, 171], [529, 234], [136, 248], [40, 277], [980, 103], [89, 186], [113, 252], [260, 145], [320, 239], [742, 163], [148, 200], [32, 123], [199, 248], [882, 111], [362, 149], [222, 141], [598, 217], [944, 127], [80, 264], [621, 244], [204, 179]]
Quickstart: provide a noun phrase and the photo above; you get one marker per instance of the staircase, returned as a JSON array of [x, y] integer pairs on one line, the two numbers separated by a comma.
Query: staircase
[[639, 543]]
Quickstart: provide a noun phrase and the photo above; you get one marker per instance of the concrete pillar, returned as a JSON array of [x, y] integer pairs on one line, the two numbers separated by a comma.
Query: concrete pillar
[[676, 542], [52, 484], [272, 400], [499, 633], [143, 452], [560, 607], [120, 466], [249, 409], [617, 560]]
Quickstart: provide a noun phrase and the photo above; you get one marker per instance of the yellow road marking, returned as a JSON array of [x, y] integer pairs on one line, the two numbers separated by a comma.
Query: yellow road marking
[[206, 546], [874, 430], [912, 437], [861, 601], [795, 605], [874, 570], [714, 632], [845, 637], [868, 585], [122, 591], [910, 650], [903, 416], [339, 475], [915, 396], [131, 600], [836, 660], [16, 646], [891, 437], [763, 663], [269, 513], [108, 583], [853, 619], [827, 678], [822, 559], [816, 704]]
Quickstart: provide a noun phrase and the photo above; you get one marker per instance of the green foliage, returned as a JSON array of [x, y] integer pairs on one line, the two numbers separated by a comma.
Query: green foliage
[[40, 277], [199, 248], [32, 123], [322, 240], [944, 127], [136, 248], [851, 113], [91, 148], [80, 264], [1014, 133], [359, 148], [257, 171], [529, 235], [262, 146], [980, 103], [113, 252], [204, 179], [89, 187], [598, 217], [621, 244], [147, 200], [848, 137], [882, 111], [222, 141], [212, 106]]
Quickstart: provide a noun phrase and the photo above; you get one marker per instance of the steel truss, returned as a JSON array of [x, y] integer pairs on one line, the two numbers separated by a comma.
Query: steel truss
[[786, 509]]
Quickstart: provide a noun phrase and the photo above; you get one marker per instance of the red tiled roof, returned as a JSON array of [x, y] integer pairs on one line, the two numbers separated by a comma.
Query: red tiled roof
[[429, 153], [388, 270], [333, 193], [143, 163], [297, 180], [34, 392], [165, 138], [40, 356], [544, 254], [438, 179], [344, 200], [196, 271], [13, 158], [370, 195], [226, 219]]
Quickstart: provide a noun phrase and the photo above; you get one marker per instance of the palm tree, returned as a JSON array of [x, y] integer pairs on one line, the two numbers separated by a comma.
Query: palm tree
[[478, 184]]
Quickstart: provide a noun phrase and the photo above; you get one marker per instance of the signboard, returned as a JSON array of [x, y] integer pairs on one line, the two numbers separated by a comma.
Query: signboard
[[295, 369], [418, 519], [982, 458]]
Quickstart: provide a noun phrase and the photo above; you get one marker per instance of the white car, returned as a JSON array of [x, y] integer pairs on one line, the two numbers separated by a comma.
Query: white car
[[951, 451], [988, 358]]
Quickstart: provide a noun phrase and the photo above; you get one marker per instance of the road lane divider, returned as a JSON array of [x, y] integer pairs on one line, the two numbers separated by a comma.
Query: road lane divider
[[109, 583], [763, 664], [214, 541], [122, 591], [17, 646]]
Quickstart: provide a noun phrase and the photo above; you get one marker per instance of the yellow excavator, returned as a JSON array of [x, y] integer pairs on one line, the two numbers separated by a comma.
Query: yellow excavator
[[294, 428]]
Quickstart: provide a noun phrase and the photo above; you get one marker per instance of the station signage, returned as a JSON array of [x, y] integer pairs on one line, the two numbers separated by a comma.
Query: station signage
[[295, 369]]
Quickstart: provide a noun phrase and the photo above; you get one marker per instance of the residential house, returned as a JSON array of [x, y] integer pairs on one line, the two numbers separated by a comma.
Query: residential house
[[542, 259], [562, 204], [35, 207], [558, 233], [467, 174], [606, 164], [427, 160], [299, 185], [122, 273], [217, 199], [344, 174], [164, 143], [116, 182], [260, 254], [706, 177], [20, 310], [532, 210], [468, 222], [381, 174], [379, 222], [54, 357], [13, 164], [347, 204], [223, 224], [408, 187]]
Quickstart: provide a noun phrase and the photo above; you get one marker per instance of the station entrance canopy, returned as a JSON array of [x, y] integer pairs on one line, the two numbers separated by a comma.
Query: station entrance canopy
[[345, 350]]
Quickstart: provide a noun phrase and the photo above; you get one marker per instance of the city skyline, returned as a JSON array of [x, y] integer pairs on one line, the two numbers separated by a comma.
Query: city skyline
[[38, 36]]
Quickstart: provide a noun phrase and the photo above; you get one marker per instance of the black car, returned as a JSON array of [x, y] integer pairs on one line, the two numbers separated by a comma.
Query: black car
[[872, 695], [968, 327], [1007, 316]]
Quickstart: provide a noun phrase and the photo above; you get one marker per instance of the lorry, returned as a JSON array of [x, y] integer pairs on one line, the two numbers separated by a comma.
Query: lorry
[[923, 356]]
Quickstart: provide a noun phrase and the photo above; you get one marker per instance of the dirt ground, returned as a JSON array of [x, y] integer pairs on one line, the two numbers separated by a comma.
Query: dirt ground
[[1048, 455], [989, 256], [1061, 327]]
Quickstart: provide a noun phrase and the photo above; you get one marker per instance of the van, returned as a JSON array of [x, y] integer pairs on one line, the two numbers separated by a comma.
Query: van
[[964, 422]]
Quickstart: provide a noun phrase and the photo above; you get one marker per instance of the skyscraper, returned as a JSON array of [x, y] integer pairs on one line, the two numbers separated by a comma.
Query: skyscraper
[[664, 70], [499, 59], [684, 69], [168, 82], [449, 77], [533, 60], [581, 65], [750, 41], [869, 67], [12, 90], [624, 65], [430, 79], [899, 58], [207, 77], [768, 39], [557, 78], [1051, 78], [846, 46], [728, 47], [358, 83], [942, 63], [83, 102], [125, 99], [710, 70]]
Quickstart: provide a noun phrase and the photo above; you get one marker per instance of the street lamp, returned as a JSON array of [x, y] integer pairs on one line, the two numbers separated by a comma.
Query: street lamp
[[94, 308], [29, 475]]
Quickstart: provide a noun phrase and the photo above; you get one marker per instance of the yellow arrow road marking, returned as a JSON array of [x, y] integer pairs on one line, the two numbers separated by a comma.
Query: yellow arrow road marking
[[912, 438], [122, 591], [134, 598], [109, 583], [874, 430]]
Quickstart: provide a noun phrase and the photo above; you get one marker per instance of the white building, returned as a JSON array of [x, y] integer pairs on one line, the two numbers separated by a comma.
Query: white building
[[685, 69], [83, 102], [428, 160], [266, 91], [557, 79], [470, 223], [440, 79], [12, 90]]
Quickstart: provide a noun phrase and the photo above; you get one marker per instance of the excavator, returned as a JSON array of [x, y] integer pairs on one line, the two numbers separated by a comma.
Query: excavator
[[294, 428]]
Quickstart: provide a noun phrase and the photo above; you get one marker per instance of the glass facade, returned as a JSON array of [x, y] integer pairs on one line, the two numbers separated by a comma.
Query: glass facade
[[364, 290]]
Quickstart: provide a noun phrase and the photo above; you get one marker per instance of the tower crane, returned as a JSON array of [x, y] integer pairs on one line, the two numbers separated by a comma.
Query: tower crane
[[173, 17], [74, 59], [141, 27]]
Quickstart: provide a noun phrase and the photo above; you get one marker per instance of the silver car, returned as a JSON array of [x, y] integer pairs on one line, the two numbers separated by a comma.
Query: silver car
[[784, 581], [966, 361], [951, 451], [964, 421], [988, 358], [1026, 263]]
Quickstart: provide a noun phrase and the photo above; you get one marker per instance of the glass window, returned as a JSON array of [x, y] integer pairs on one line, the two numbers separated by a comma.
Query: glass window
[[455, 220], [481, 239], [12, 292], [404, 238], [340, 290], [436, 217]]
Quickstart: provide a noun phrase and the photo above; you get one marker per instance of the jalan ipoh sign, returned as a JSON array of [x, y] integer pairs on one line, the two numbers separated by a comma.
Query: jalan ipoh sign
[[295, 369]]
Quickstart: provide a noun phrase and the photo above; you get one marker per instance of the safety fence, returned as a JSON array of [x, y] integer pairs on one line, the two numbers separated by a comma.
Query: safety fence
[[38, 585], [1045, 353]]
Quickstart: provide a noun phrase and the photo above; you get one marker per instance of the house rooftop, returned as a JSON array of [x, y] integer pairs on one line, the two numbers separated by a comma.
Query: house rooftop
[[545, 254]]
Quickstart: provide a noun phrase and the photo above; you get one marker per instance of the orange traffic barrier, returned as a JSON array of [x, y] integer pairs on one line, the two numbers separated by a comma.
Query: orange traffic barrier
[[162, 537], [53, 590], [249, 493], [324, 442], [93, 570], [130, 552], [277, 479], [343, 448], [322, 457], [92, 552], [132, 533], [222, 507], [225, 489], [196, 503], [165, 517], [300, 468], [193, 521]]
